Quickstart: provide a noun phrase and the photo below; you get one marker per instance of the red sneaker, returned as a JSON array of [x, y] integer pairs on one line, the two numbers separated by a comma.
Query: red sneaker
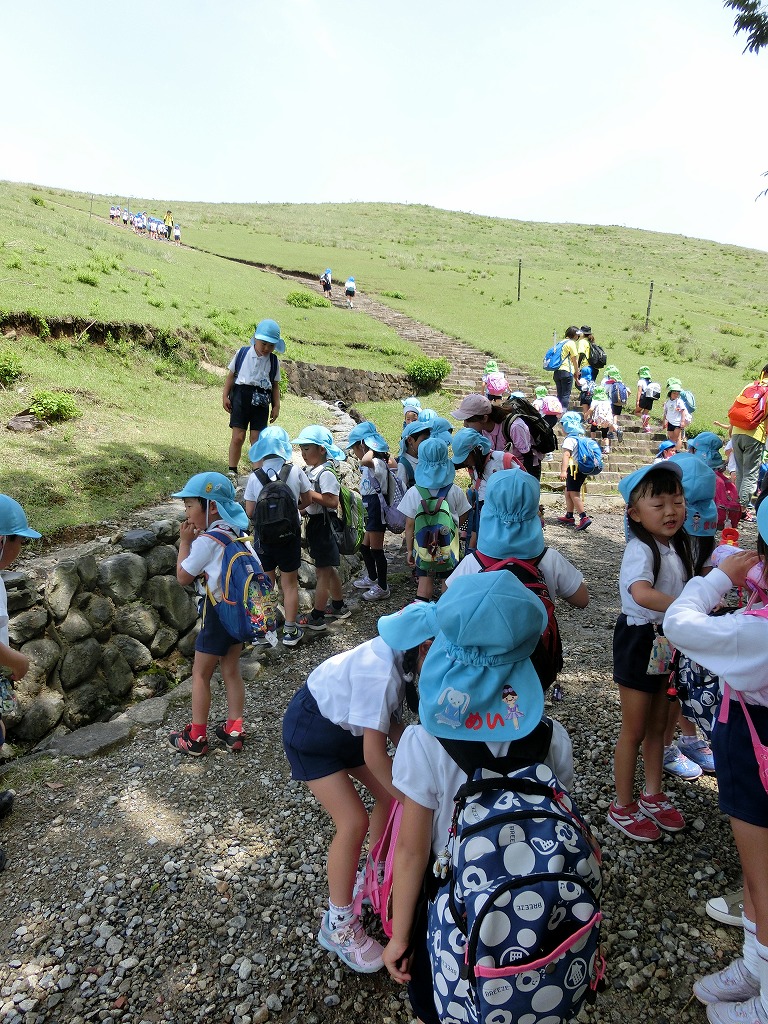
[[633, 823], [660, 809]]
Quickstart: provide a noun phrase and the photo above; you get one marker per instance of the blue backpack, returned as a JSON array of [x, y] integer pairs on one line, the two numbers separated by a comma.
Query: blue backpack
[[248, 605], [588, 457], [700, 694], [619, 393], [514, 934], [553, 357]]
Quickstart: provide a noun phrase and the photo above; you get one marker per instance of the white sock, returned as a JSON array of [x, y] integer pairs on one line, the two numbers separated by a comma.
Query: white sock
[[750, 953], [762, 953], [339, 916]]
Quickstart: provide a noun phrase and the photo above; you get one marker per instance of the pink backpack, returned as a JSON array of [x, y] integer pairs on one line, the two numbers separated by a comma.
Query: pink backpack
[[379, 893], [551, 406], [727, 501]]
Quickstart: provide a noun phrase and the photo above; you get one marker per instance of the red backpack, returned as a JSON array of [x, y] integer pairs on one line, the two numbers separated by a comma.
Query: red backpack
[[727, 501], [547, 659], [749, 409]]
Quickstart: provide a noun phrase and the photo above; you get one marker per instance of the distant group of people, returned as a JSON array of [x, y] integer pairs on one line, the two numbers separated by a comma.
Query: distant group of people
[[165, 229], [350, 288]]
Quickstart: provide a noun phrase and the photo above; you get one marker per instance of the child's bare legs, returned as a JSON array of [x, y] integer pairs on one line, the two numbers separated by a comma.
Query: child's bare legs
[[653, 744], [674, 435], [328, 582], [289, 584], [752, 844], [687, 728], [383, 798], [574, 502], [643, 720], [233, 682], [236, 444], [338, 796], [202, 671], [424, 588]]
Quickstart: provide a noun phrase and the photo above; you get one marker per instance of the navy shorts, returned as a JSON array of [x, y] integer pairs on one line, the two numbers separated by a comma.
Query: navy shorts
[[373, 521], [741, 792], [285, 557], [443, 575], [213, 638], [632, 646], [321, 543], [574, 481], [244, 415], [646, 403], [315, 747], [617, 409]]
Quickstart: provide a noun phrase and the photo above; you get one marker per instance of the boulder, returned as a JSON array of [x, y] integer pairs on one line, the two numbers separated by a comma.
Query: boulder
[[161, 561], [87, 570], [79, 662], [122, 576], [186, 645], [137, 620], [61, 587], [117, 672], [91, 740], [137, 540], [99, 611], [307, 574], [134, 651], [177, 608], [27, 624], [166, 529], [43, 715], [74, 627], [43, 657], [163, 641], [150, 684]]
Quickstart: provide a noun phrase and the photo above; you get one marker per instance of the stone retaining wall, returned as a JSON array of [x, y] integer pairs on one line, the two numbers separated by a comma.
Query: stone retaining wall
[[338, 383]]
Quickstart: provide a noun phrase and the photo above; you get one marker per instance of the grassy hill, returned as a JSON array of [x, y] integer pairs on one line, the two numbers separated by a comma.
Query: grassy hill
[[456, 272]]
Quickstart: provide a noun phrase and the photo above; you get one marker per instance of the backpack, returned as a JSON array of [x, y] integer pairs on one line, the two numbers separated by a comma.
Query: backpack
[[390, 513], [547, 659], [543, 438], [348, 522], [700, 693], [410, 472], [588, 457], [553, 357], [652, 390], [551, 406], [376, 888], [248, 605], [749, 409], [274, 364], [514, 934], [597, 357], [727, 501], [619, 393], [275, 515], [435, 534], [686, 397]]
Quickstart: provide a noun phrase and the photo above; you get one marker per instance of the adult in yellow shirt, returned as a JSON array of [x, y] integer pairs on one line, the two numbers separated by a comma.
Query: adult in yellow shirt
[[569, 367], [748, 446]]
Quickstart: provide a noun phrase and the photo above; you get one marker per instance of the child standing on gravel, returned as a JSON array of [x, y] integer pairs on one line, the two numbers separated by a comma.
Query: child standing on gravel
[[373, 452], [654, 570], [14, 532], [571, 474], [209, 501]]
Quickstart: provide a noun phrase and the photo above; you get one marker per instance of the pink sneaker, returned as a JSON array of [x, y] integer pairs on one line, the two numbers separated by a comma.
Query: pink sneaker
[[633, 823], [659, 808], [731, 985], [352, 945]]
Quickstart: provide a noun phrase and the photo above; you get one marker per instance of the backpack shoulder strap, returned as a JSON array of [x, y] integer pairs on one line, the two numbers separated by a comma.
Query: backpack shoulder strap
[[263, 477], [470, 755], [285, 472], [239, 359], [274, 366]]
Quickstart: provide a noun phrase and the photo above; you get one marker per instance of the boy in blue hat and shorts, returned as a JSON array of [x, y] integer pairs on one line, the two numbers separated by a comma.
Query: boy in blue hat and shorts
[[251, 387], [209, 501]]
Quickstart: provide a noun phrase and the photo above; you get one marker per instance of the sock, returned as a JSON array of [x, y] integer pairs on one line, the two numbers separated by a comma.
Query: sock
[[750, 953], [582, 515], [368, 559], [339, 916], [197, 732], [337, 605], [234, 725], [289, 625], [762, 954], [318, 614], [381, 568], [233, 469]]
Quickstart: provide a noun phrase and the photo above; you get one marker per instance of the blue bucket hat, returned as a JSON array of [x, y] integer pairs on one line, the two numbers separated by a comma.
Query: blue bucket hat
[[699, 483], [664, 446], [415, 427], [434, 469], [440, 428], [216, 487], [509, 521], [629, 483], [465, 441], [272, 441], [586, 373], [707, 446], [366, 431], [268, 330], [13, 520], [572, 423], [411, 404], [477, 681], [315, 434]]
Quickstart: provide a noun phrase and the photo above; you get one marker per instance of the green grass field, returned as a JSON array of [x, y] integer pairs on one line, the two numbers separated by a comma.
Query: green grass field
[[456, 272]]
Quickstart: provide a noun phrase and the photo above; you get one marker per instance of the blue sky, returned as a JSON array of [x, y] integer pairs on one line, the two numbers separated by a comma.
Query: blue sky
[[592, 111]]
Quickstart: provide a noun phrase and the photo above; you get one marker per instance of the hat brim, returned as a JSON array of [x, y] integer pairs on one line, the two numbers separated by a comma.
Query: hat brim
[[410, 626], [279, 343], [434, 477]]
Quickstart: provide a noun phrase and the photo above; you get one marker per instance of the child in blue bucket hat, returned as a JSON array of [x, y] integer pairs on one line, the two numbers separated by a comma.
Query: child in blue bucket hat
[[434, 479], [209, 501], [476, 683], [408, 453], [271, 458], [573, 427], [373, 452], [472, 451], [411, 409], [319, 453]]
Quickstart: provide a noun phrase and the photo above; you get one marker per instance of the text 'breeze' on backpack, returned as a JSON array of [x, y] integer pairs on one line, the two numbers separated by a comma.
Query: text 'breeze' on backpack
[[248, 606], [348, 522], [276, 517], [435, 533], [547, 658], [587, 457], [515, 933], [543, 438]]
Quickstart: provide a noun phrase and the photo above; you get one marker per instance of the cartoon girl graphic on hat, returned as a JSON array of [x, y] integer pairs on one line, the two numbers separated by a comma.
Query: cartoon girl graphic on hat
[[514, 714]]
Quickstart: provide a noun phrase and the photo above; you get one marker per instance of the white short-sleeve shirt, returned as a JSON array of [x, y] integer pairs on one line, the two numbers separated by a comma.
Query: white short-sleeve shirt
[[205, 557], [562, 578], [4, 618], [323, 480], [255, 369], [297, 479], [456, 498], [636, 565]]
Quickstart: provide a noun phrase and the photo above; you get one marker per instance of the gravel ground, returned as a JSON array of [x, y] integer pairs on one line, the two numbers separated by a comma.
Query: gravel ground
[[146, 886]]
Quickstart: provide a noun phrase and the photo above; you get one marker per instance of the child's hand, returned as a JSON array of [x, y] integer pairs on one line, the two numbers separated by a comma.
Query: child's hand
[[188, 532], [410, 559], [737, 566], [227, 403], [396, 961]]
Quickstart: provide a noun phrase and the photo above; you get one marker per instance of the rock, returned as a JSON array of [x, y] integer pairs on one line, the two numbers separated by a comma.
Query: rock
[[135, 653], [186, 645], [44, 715], [61, 587], [152, 684], [117, 671], [166, 529], [137, 620], [307, 574], [80, 662], [161, 561], [25, 422], [86, 703], [75, 626], [137, 540], [87, 570], [148, 712], [163, 641], [27, 625], [92, 739], [122, 576], [23, 597], [44, 655], [99, 611], [176, 607]]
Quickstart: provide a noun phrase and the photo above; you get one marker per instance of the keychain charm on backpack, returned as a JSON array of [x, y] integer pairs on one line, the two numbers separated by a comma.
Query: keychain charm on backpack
[[442, 864]]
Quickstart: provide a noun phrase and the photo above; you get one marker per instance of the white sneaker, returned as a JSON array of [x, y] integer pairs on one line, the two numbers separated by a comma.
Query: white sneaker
[[352, 946], [728, 908], [731, 985], [749, 1012], [376, 593], [363, 583]]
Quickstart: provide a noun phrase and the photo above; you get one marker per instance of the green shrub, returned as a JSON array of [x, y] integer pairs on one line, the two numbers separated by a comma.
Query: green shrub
[[53, 406], [37, 200], [736, 332], [14, 263], [11, 369], [427, 374], [86, 277], [394, 295], [305, 300], [725, 358]]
